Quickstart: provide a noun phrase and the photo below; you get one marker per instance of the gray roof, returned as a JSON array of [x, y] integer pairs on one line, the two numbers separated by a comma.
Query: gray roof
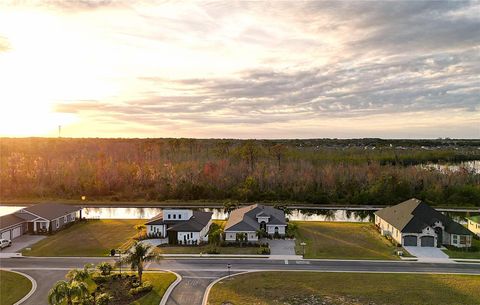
[[196, 223], [245, 219], [51, 211], [10, 220], [413, 215]]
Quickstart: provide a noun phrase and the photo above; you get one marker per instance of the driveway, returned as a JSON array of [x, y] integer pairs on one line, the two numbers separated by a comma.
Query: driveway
[[282, 246], [427, 253], [23, 241]]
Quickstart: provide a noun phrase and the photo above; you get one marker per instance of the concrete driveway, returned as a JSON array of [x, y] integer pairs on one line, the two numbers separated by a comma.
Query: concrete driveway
[[282, 246], [23, 241], [428, 253]]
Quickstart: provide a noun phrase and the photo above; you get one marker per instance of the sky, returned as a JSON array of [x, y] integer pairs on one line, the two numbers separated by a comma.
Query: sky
[[277, 69]]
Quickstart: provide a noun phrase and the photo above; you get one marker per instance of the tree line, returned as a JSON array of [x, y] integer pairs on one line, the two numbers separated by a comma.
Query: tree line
[[308, 171]]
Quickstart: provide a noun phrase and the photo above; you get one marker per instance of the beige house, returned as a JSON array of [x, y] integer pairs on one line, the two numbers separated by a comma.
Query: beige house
[[474, 224], [413, 223]]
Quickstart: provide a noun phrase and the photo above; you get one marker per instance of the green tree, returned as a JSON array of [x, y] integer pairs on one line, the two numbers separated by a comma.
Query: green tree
[[241, 238], [67, 292], [139, 254]]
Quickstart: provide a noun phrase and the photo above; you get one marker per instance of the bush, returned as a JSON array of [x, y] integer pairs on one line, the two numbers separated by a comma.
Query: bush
[[145, 287], [105, 268], [100, 279], [103, 299], [263, 250]]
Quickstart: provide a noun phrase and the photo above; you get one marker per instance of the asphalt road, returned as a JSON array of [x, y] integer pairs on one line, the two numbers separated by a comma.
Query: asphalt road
[[199, 273]]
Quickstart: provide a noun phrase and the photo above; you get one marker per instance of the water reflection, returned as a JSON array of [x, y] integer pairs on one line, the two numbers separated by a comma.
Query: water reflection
[[220, 214]]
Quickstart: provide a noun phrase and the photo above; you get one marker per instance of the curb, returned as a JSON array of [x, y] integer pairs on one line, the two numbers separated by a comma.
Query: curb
[[170, 288], [207, 291], [29, 294]]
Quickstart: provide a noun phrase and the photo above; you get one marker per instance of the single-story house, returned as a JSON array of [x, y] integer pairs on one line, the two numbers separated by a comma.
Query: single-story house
[[248, 220], [180, 226], [37, 219], [414, 223], [474, 224]]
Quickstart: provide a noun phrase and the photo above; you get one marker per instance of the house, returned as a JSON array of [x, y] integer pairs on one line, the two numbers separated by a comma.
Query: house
[[250, 219], [37, 219], [180, 226], [414, 223], [474, 224]]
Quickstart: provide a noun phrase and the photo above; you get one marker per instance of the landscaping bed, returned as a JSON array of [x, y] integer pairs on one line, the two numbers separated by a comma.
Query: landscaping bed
[[13, 287], [309, 288], [88, 238], [344, 240]]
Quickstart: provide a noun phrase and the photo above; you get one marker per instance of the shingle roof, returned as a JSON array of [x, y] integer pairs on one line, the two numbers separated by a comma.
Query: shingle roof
[[51, 211], [413, 215], [196, 223], [245, 219], [9, 220]]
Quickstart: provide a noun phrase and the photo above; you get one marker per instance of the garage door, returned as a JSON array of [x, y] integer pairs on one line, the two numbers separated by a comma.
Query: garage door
[[6, 235], [427, 241], [410, 241], [16, 232]]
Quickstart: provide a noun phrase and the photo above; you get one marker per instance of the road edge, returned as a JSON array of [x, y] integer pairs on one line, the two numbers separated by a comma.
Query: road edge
[[31, 279], [209, 287], [170, 288]]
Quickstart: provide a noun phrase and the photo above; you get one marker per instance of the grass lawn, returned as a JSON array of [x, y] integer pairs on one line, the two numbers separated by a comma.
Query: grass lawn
[[303, 288], [160, 282], [13, 287], [203, 249], [87, 238], [345, 240], [465, 254]]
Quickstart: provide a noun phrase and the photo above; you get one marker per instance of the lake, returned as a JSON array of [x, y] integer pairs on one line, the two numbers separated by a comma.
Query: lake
[[295, 214]]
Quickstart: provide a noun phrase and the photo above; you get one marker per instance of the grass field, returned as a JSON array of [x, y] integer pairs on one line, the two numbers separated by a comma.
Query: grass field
[[87, 238], [465, 254], [343, 240], [203, 249], [304, 288], [13, 287]]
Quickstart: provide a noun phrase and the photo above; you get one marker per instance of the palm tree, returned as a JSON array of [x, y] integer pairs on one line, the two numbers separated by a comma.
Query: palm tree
[[79, 275], [67, 292], [139, 254]]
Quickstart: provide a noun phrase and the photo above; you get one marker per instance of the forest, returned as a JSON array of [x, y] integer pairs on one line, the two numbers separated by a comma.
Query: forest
[[314, 171]]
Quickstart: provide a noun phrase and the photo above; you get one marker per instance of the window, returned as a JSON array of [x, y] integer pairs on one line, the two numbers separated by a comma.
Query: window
[[191, 234], [174, 216], [463, 239], [168, 216], [455, 239], [179, 216]]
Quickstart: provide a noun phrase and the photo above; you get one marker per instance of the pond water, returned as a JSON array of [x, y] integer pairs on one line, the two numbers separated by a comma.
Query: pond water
[[347, 215], [473, 166]]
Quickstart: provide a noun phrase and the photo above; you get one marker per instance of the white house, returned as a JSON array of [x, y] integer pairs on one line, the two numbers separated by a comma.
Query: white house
[[180, 226], [250, 219], [414, 223], [40, 218]]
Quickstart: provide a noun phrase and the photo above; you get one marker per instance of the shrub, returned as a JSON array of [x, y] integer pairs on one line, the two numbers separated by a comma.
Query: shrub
[[103, 299], [145, 287], [105, 268], [263, 250]]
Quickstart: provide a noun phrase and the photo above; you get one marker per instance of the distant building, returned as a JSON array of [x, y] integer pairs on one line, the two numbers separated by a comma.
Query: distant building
[[180, 226], [250, 219], [40, 218], [414, 223], [474, 224]]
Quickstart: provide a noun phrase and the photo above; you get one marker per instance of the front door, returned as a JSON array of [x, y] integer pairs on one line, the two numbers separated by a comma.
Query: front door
[[439, 232]]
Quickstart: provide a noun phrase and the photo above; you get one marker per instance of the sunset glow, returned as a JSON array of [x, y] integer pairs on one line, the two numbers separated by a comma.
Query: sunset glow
[[240, 69]]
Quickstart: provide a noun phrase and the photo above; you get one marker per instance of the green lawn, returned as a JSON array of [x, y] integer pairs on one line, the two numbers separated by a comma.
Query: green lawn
[[298, 288], [466, 253], [13, 287], [203, 249], [343, 240], [87, 238], [160, 282]]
